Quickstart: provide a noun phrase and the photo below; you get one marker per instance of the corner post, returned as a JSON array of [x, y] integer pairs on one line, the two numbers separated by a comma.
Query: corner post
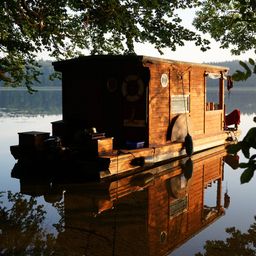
[[221, 92], [221, 98]]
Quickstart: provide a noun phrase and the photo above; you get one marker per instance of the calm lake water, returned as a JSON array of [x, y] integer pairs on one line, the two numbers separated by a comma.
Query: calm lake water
[[141, 215]]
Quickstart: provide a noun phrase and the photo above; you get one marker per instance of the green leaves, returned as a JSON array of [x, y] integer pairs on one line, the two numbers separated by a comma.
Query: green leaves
[[247, 174], [250, 138], [251, 61], [249, 167], [248, 71], [232, 23], [65, 28], [234, 148], [245, 146]]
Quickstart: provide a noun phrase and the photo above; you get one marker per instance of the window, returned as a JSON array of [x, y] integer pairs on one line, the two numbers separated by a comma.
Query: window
[[180, 104]]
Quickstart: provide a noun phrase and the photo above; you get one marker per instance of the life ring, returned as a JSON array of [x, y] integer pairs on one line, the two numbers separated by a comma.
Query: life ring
[[137, 93]]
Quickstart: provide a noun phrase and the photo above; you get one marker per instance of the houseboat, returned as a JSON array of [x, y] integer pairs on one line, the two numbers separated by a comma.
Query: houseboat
[[123, 113]]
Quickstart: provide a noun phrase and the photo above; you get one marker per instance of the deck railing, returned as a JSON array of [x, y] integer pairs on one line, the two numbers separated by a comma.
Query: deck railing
[[214, 121]]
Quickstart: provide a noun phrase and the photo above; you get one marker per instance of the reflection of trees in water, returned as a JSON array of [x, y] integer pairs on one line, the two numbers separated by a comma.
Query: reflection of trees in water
[[20, 102], [242, 99], [21, 227], [237, 243]]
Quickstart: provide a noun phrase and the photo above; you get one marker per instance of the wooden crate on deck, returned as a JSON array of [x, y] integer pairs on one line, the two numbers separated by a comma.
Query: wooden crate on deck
[[105, 146], [33, 139]]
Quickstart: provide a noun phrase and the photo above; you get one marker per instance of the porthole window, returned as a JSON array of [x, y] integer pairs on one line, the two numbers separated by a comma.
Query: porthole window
[[164, 80]]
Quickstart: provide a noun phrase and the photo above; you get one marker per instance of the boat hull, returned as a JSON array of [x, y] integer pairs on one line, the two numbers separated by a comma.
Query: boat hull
[[109, 166]]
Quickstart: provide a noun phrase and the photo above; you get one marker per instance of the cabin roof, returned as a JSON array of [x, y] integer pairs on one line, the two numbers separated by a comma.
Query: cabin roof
[[203, 65], [59, 65]]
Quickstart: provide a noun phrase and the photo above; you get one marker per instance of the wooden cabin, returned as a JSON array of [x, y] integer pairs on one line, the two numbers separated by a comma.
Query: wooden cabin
[[140, 102], [132, 110], [136, 98]]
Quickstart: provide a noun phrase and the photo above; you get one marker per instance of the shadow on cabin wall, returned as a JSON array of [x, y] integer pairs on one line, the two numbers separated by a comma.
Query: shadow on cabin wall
[[108, 95]]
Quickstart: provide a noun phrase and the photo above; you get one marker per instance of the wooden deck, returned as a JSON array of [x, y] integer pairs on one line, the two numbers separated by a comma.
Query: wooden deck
[[125, 160]]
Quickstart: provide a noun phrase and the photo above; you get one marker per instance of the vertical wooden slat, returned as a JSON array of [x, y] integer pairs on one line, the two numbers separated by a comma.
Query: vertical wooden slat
[[204, 103], [221, 97], [221, 92]]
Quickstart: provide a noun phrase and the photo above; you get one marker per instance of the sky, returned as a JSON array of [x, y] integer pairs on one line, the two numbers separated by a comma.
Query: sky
[[190, 52]]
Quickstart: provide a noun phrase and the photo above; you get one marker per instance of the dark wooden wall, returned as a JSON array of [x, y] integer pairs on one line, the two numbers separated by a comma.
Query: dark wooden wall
[[89, 102]]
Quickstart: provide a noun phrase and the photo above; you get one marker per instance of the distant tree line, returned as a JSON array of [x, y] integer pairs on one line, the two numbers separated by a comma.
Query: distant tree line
[[46, 77], [233, 66]]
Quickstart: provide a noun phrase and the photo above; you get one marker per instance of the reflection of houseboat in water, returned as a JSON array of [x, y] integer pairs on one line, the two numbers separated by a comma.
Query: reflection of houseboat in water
[[121, 112], [149, 213]]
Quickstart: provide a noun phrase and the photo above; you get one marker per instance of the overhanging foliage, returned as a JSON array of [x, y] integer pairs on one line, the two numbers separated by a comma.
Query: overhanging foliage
[[62, 27]]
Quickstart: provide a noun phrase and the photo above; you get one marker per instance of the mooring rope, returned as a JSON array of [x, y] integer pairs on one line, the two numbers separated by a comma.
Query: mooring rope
[[185, 109], [188, 138], [115, 208]]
